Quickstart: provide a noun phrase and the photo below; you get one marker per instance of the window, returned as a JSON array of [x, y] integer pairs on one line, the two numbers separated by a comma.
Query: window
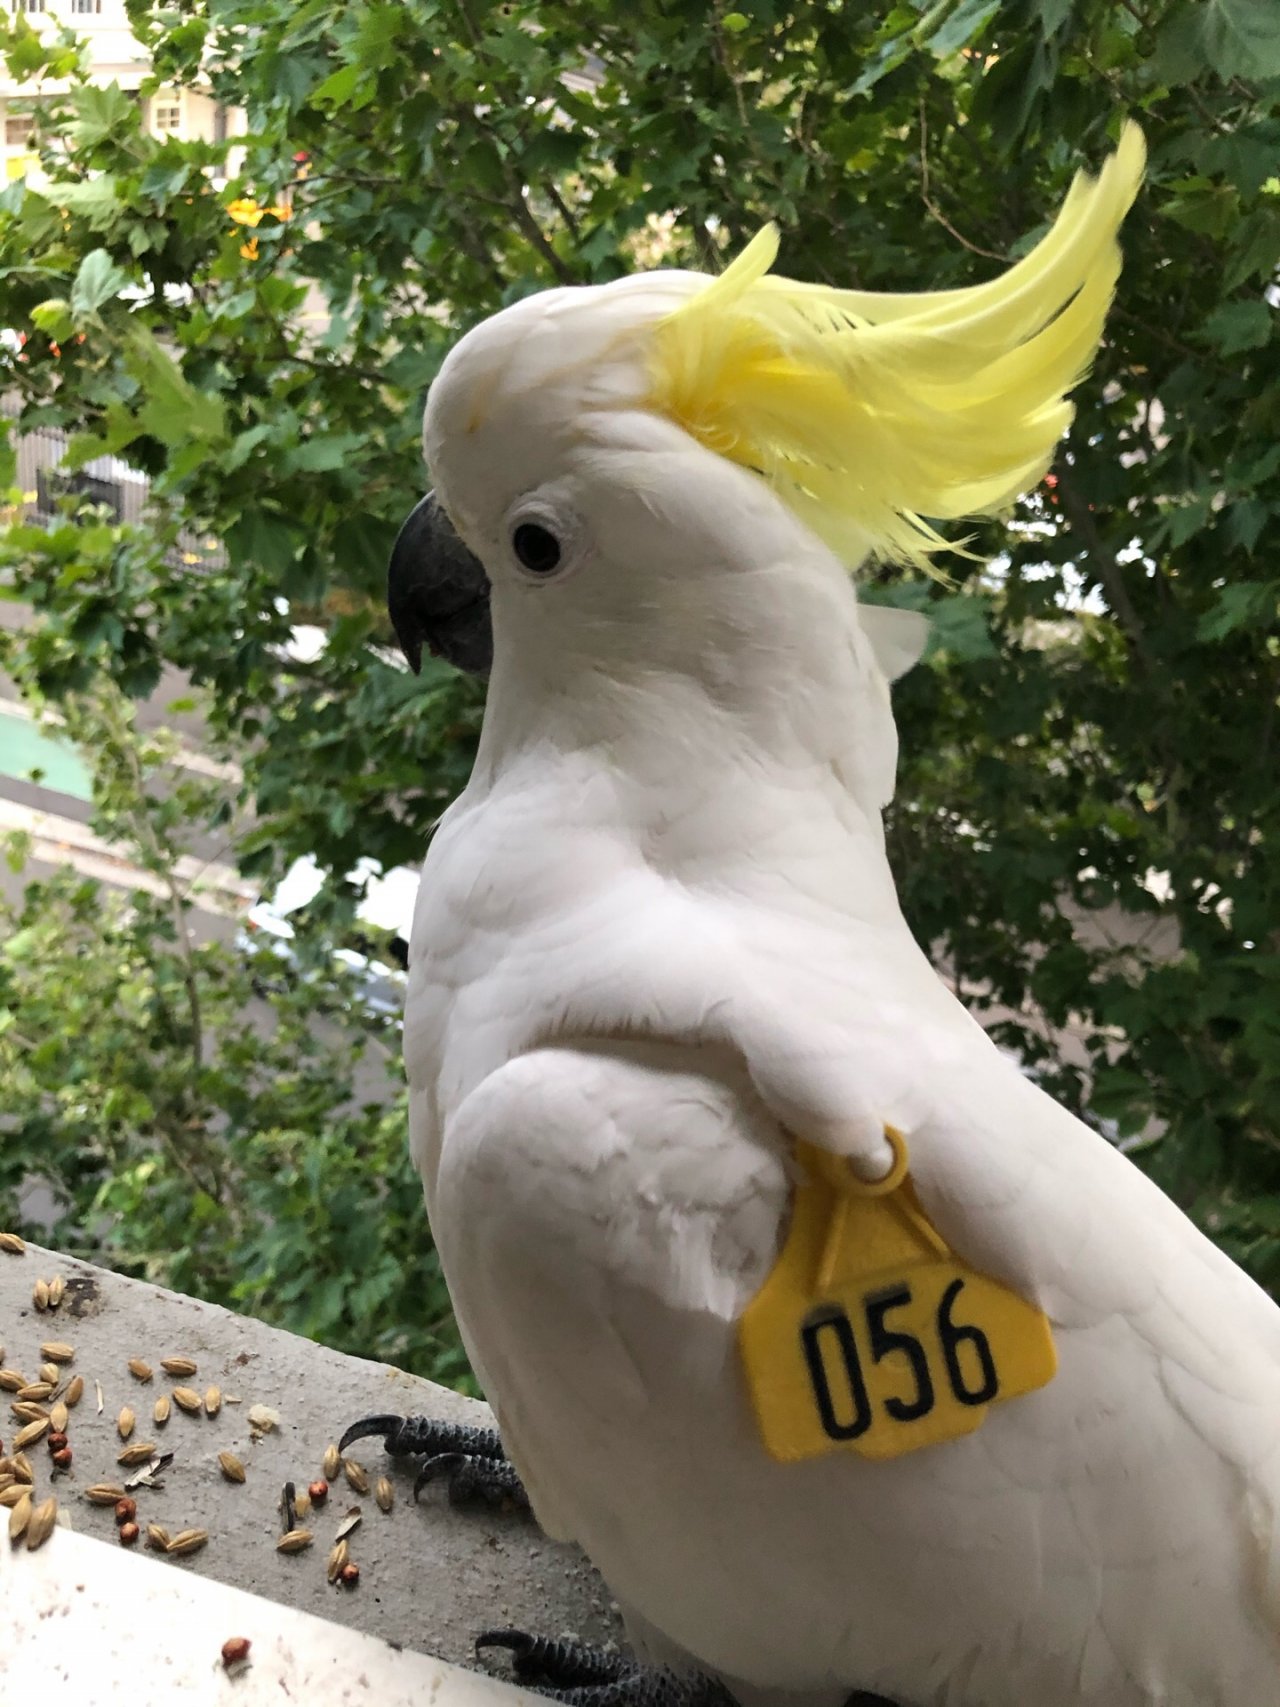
[[17, 130], [166, 114], [26, 5], [82, 6]]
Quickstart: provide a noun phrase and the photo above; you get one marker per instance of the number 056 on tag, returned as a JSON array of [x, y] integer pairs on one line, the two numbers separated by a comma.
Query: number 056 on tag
[[870, 1334]]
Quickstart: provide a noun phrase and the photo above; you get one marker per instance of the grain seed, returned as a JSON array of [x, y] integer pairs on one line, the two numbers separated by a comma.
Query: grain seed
[[158, 1538], [59, 1416], [179, 1365], [212, 1401], [12, 1381], [13, 1244], [332, 1462], [384, 1493], [125, 1422], [40, 1294], [160, 1410], [337, 1559], [49, 1372], [19, 1516], [136, 1454], [187, 1541], [15, 1492], [356, 1474], [294, 1541], [187, 1399], [302, 1507], [31, 1433], [231, 1466], [57, 1351], [35, 1390], [349, 1575], [104, 1493], [57, 1291], [350, 1523], [75, 1390], [24, 1411], [41, 1522], [139, 1370], [126, 1510], [23, 1468]]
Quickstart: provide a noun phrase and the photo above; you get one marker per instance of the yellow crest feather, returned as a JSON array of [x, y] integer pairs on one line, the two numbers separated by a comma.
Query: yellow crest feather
[[867, 412]]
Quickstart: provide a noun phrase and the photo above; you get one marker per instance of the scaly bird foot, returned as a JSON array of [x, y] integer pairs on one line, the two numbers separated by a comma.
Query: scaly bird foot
[[589, 1677], [471, 1460]]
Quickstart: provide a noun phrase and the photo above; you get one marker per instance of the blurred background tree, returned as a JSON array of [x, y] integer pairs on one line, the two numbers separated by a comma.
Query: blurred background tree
[[1088, 820]]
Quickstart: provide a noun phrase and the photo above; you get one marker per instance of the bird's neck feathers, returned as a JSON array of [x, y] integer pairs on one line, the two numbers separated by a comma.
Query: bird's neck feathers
[[761, 673]]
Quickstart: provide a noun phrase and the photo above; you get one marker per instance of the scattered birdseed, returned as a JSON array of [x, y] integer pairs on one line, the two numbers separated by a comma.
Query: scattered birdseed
[[59, 1416], [12, 1381], [332, 1462], [187, 1399], [40, 1524], [31, 1433], [350, 1523], [75, 1391], [231, 1466], [57, 1290], [139, 1370], [104, 1493], [356, 1475], [125, 1422], [384, 1493], [263, 1418], [40, 1295], [160, 1410], [212, 1401], [179, 1366], [235, 1651], [136, 1454], [294, 1541], [187, 1541], [13, 1244], [337, 1559], [57, 1351], [349, 1575], [158, 1538], [19, 1515]]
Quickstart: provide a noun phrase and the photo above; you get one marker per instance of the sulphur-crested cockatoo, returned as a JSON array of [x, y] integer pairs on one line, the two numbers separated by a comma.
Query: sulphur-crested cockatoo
[[1001, 1431]]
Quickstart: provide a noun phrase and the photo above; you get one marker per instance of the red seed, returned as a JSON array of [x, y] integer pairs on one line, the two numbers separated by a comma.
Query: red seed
[[235, 1650], [318, 1490], [128, 1534], [349, 1575], [62, 1457], [126, 1510], [55, 1440]]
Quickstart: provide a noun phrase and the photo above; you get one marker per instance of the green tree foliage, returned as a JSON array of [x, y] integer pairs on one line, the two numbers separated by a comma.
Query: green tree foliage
[[1088, 826]]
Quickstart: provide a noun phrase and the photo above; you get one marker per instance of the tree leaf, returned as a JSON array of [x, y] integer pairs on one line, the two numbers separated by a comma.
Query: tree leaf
[[97, 281]]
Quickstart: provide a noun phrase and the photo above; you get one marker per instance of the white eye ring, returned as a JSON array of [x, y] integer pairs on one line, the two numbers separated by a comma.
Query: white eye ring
[[542, 540]]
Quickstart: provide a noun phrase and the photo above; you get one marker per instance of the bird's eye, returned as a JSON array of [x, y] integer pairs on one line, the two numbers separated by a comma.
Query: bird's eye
[[537, 548]]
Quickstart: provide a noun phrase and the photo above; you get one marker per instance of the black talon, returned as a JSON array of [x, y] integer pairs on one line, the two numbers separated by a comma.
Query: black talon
[[491, 1480], [538, 1659], [579, 1676], [421, 1437]]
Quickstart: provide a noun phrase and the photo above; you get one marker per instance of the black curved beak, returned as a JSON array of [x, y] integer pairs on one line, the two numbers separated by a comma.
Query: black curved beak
[[438, 593]]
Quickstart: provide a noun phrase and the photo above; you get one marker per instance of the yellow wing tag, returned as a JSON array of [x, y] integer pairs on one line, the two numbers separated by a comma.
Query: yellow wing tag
[[870, 1333]]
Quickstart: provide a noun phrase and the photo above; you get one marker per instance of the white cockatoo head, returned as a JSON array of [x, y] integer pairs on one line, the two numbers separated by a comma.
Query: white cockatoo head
[[669, 478]]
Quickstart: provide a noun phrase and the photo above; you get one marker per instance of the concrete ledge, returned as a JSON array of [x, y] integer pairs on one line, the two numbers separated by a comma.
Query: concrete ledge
[[430, 1577]]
